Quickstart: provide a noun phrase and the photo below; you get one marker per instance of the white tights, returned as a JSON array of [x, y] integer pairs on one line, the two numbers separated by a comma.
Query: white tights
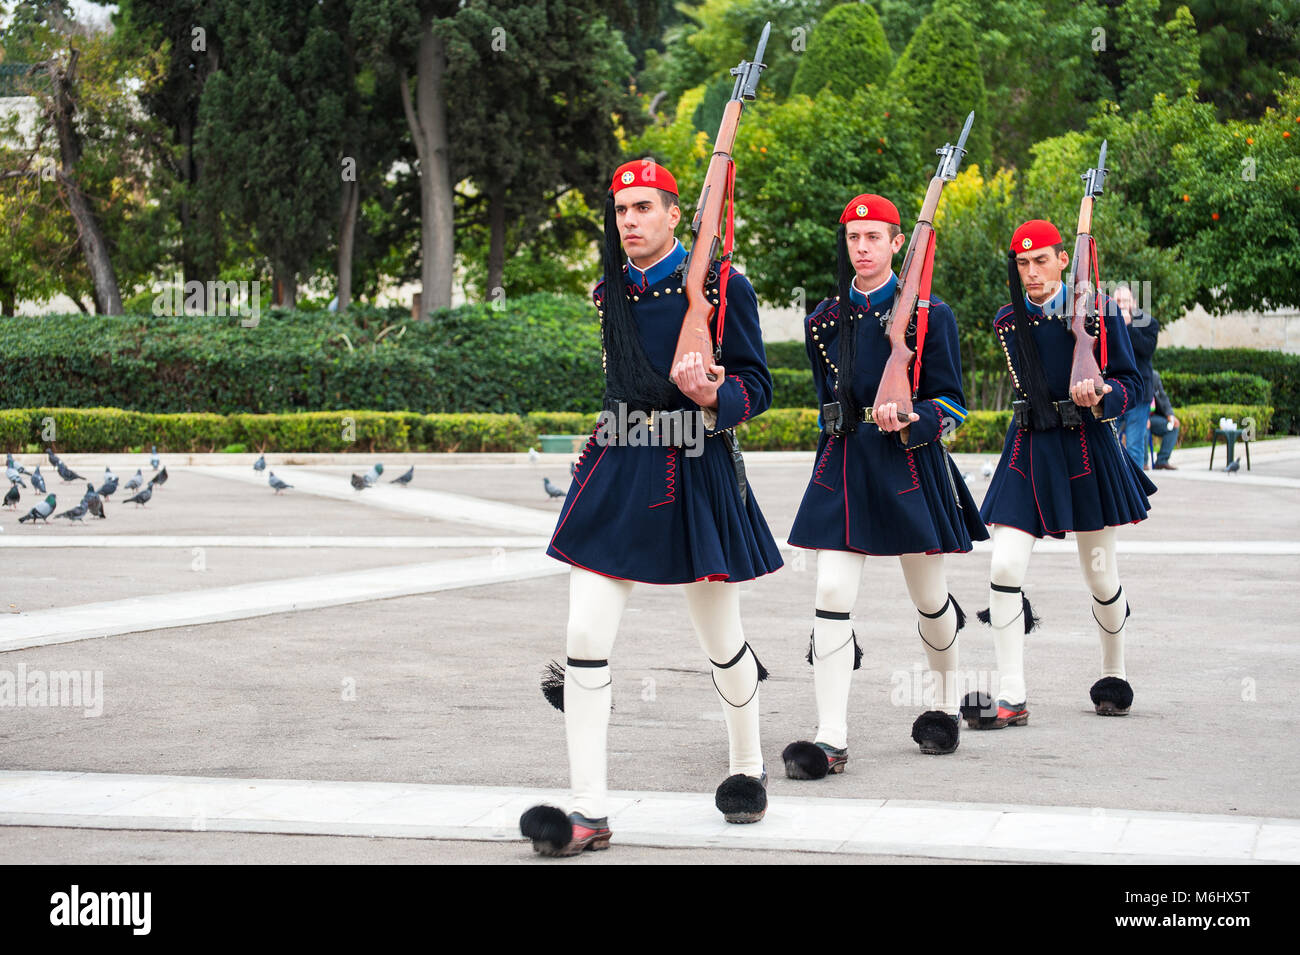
[[839, 575], [1011, 550], [595, 607]]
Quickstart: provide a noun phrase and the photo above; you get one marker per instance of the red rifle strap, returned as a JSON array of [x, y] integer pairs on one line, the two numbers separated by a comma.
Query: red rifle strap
[[923, 311], [1101, 315], [724, 269]]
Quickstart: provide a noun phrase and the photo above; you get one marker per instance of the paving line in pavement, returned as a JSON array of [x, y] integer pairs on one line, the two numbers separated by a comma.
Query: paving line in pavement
[[1015, 833], [250, 540], [460, 508], [156, 611]]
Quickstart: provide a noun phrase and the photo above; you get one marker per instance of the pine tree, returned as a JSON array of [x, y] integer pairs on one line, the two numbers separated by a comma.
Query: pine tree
[[940, 73], [846, 50]]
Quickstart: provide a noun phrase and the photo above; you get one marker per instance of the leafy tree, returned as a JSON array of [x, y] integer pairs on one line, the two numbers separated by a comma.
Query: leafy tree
[[798, 163], [1244, 46], [940, 73], [1156, 57], [973, 227], [846, 50]]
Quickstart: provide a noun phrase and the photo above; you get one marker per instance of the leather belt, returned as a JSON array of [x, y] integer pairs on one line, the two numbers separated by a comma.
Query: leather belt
[[1065, 414]]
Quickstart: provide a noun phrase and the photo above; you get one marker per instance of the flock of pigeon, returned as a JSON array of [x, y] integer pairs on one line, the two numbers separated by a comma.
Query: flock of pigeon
[[92, 502], [359, 481]]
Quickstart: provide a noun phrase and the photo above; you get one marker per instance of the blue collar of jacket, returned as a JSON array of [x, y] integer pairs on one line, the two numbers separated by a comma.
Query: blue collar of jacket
[[878, 296], [1053, 306], [659, 270]]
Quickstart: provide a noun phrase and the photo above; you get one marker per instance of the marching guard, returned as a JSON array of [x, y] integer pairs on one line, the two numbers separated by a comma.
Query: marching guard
[[882, 484], [659, 496], [1062, 470]]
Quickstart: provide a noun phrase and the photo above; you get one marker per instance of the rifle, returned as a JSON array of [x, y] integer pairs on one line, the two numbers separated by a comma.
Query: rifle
[[915, 288], [707, 226], [1085, 297]]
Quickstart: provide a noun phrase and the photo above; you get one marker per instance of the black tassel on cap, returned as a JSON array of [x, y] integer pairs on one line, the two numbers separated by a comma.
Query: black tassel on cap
[[629, 376], [1033, 379], [850, 410]]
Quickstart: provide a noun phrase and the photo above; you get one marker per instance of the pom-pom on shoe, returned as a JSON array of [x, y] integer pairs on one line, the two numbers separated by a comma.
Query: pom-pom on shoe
[[1111, 696], [805, 760], [982, 712], [742, 798], [555, 834], [936, 732]]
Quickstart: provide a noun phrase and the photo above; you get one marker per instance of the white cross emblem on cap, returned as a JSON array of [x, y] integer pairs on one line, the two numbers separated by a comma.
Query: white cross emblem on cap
[[861, 210], [627, 177], [1026, 243]]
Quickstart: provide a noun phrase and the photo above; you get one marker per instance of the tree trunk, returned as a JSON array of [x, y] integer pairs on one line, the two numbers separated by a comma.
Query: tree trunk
[[347, 240], [497, 246], [285, 293], [90, 238], [428, 124]]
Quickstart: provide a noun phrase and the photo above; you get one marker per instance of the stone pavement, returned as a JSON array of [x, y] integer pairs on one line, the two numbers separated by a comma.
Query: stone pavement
[[333, 675]]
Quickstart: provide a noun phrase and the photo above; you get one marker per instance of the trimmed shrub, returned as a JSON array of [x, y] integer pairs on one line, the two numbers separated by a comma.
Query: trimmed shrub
[[1280, 370], [1227, 387]]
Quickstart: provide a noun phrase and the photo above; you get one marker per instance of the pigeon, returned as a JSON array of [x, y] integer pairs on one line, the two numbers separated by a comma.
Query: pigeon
[[110, 476], [54, 458], [372, 476], [276, 483], [159, 479], [153, 456], [15, 477], [136, 480], [359, 482], [1233, 467], [11, 463], [95, 504], [551, 489], [405, 479], [38, 480], [142, 497], [533, 457], [107, 488], [573, 469], [11, 499], [966, 476], [74, 514], [986, 470], [260, 463], [67, 473], [42, 510]]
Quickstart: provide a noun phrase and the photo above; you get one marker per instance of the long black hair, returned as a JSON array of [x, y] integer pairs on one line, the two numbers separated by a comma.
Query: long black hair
[[848, 337], [1033, 379], [629, 375]]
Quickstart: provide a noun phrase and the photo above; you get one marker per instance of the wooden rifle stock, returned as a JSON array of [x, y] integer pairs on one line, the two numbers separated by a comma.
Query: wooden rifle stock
[[707, 229], [1082, 294]]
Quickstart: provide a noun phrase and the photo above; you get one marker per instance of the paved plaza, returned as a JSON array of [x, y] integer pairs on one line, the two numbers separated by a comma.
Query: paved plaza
[[329, 675]]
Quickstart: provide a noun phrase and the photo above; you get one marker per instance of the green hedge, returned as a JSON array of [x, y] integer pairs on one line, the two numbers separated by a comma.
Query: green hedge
[[1226, 387], [536, 352], [1279, 369], [75, 430], [786, 355], [793, 388]]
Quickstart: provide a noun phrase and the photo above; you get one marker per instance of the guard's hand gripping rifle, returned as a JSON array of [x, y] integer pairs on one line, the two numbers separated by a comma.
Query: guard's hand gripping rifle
[[895, 385], [707, 228], [1082, 291]]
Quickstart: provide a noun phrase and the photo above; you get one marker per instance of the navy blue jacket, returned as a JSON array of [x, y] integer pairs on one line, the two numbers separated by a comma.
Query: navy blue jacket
[[658, 514], [1050, 482], [871, 491]]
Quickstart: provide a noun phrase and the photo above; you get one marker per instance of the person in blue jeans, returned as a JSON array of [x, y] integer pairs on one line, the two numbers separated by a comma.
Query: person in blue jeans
[[1164, 425], [1143, 330]]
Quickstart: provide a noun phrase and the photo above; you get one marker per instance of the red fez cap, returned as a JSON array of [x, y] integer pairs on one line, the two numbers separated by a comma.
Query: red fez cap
[[1034, 234], [643, 172], [870, 206]]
